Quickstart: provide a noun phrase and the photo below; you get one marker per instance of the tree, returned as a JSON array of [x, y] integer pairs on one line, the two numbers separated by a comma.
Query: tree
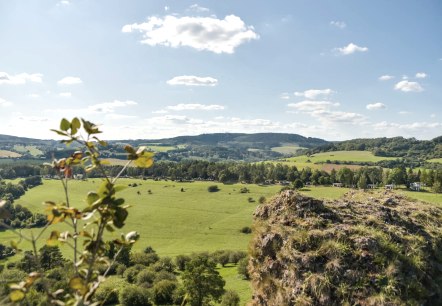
[[362, 182], [51, 257], [230, 298], [298, 184], [201, 280], [243, 268]]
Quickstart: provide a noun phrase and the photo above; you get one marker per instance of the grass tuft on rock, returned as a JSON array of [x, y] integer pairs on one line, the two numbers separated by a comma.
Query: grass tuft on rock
[[367, 248]]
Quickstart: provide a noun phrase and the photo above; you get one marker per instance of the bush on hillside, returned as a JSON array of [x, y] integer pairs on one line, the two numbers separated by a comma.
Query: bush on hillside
[[213, 188]]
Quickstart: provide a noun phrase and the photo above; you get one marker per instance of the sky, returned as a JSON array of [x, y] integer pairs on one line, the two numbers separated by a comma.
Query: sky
[[335, 70]]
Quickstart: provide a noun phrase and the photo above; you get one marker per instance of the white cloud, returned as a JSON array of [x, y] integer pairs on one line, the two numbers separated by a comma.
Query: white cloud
[[191, 80], [315, 93], [4, 103], [201, 33], [433, 116], [339, 117], [64, 3], [166, 8], [376, 106], [414, 126], [190, 106], [308, 105], [407, 86], [385, 77], [65, 94], [350, 49], [32, 118], [34, 95], [338, 24], [161, 111], [421, 75], [21, 78], [119, 116], [285, 96], [198, 9], [69, 80], [404, 113], [109, 107]]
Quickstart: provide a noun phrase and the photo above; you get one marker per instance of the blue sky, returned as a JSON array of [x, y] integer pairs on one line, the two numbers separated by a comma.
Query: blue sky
[[151, 69]]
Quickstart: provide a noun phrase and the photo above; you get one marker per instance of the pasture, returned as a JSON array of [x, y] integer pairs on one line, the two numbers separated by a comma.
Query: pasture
[[9, 154], [33, 150], [325, 161], [435, 160], [287, 149], [172, 221]]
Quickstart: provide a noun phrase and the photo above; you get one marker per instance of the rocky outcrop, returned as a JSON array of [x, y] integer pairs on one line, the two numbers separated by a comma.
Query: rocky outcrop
[[368, 248]]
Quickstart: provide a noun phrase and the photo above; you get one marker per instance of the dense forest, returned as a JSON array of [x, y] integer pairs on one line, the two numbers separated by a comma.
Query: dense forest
[[394, 147]]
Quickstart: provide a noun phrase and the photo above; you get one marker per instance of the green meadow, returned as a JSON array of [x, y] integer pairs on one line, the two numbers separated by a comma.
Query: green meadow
[[287, 149], [176, 222], [172, 221], [9, 154], [435, 160], [324, 161], [33, 150]]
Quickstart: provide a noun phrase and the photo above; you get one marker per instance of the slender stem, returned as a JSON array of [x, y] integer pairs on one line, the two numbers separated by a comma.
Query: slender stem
[[121, 172], [15, 231]]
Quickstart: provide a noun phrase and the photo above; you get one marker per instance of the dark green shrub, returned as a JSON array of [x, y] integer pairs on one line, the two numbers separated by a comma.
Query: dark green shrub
[[235, 257], [244, 190], [181, 261], [145, 259], [262, 199], [163, 291], [107, 295], [131, 273], [213, 188], [230, 298], [164, 263], [134, 296], [243, 268], [246, 230], [146, 278]]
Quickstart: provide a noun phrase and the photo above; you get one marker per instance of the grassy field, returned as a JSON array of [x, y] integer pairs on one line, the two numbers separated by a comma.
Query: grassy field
[[236, 283], [175, 222], [288, 149], [33, 150], [9, 154], [435, 160], [318, 161], [171, 221]]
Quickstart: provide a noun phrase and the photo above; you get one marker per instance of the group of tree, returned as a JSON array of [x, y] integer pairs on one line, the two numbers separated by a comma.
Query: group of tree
[[393, 147], [144, 277]]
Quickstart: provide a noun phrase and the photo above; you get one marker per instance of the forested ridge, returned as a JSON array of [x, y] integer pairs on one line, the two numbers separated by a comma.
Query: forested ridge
[[393, 147]]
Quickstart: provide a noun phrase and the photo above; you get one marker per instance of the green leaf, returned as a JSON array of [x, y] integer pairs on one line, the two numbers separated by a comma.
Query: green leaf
[[119, 217], [145, 159], [16, 295], [65, 124], [53, 238], [75, 125], [59, 132], [92, 197], [118, 201], [77, 283], [129, 149]]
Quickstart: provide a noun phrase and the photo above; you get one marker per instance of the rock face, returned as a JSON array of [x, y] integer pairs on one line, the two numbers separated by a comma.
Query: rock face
[[368, 248]]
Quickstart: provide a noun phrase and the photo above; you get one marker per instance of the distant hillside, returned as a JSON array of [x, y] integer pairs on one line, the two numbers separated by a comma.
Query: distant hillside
[[257, 139], [23, 140], [392, 147]]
